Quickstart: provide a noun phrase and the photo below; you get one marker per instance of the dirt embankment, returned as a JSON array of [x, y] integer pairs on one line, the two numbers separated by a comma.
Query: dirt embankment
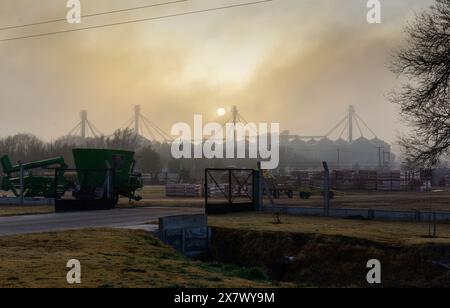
[[111, 258], [331, 261]]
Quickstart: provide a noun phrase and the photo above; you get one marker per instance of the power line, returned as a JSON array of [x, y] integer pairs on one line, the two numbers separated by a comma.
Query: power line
[[93, 14], [139, 20]]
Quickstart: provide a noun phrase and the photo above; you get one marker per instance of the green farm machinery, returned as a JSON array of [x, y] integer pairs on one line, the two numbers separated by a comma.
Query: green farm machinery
[[33, 186], [107, 171], [99, 178]]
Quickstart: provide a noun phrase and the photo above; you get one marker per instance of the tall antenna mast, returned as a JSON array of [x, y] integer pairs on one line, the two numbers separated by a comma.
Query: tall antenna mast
[[140, 124], [137, 118], [84, 123], [351, 114], [235, 116], [235, 113], [348, 123], [85, 128]]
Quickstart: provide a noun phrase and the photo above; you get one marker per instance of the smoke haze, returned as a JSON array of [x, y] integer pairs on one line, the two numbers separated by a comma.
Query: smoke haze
[[297, 62]]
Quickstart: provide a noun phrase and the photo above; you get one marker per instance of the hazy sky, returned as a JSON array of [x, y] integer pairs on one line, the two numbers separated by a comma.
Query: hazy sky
[[297, 62]]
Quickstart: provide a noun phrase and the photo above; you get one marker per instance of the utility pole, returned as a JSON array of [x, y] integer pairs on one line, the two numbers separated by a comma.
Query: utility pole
[[258, 189], [137, 118], [326, 189], [339, 157], [235, 114], [84, 122], [388, 161], [380, 163]]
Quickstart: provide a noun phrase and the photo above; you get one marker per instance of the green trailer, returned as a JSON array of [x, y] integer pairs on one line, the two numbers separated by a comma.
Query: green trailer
[[95, 166], [99, 178]]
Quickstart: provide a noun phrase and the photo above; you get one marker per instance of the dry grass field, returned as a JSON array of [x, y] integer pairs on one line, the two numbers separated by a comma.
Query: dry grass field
[[111, 258], [334, 252], [14, 210], [438, 200], [245, 252], [393, 233]]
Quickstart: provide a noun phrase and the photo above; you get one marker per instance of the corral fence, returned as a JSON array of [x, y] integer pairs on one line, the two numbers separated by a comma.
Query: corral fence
[[183, 190], [364, 180], [364, 214], [160, 178]]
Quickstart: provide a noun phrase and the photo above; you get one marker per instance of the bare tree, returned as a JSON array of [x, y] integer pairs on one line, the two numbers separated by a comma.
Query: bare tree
[[24, 147], [123, 140], [148, 160], [424, 65]]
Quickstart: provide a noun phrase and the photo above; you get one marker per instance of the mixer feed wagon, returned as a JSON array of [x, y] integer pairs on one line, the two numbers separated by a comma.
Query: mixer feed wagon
[[99, 178], [95, 166]]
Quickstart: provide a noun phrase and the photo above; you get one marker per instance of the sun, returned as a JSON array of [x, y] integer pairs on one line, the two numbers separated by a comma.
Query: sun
[[221, 112]]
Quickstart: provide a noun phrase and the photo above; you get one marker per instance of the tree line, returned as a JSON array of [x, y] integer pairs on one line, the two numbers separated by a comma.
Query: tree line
[[29, 148]]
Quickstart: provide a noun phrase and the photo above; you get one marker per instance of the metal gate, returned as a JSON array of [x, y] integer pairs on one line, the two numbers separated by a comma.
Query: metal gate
[[230, 190]]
